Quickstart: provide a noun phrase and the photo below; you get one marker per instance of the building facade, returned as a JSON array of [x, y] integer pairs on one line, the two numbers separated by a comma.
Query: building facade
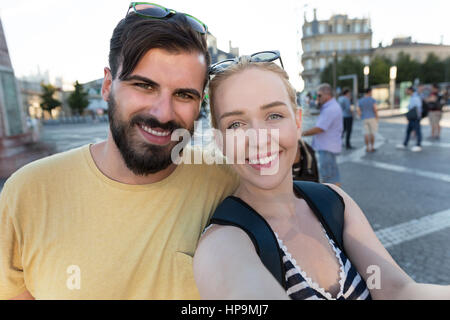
[[217, 54], [417, 51], [326, 40]]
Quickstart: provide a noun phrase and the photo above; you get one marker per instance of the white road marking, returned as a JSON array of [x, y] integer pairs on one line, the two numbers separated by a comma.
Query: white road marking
[[392, 167], [413, 229]]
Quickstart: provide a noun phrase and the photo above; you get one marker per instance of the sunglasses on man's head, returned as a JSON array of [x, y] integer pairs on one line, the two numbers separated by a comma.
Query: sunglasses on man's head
[[263, 56], [155, 11]]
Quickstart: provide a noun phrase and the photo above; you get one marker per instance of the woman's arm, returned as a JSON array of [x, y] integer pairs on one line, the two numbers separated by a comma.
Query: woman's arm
[[369, 256], [226, 266]]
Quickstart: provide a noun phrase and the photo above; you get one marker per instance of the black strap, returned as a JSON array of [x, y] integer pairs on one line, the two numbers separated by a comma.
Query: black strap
[[235, 212], [326, 204]]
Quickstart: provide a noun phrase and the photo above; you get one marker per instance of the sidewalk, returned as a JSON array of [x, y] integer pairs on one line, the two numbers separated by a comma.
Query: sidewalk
[[392, 113]]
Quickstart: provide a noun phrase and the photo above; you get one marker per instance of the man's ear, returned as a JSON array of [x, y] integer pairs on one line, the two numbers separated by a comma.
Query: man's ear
[[298, 121], [107, 84]]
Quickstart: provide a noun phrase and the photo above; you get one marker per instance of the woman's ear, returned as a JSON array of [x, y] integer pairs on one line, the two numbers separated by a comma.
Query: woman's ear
[[298, 121]]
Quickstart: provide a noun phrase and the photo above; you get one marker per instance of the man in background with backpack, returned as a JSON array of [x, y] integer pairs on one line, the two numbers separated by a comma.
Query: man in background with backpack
[[414, 116]]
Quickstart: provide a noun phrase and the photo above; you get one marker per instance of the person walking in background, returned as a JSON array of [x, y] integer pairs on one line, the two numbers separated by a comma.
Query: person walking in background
[[414, 116], [435, 112], [327, 140], [367, 111], [345, 103]]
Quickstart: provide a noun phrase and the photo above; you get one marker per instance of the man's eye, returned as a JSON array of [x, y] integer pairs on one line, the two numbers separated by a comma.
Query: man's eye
[[275, 116], [184, 96], [145, 86]]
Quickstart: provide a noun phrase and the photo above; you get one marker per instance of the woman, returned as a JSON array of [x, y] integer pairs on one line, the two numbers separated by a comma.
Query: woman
[[257, 95]]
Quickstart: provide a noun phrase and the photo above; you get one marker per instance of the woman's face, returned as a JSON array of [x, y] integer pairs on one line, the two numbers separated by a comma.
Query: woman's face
[[259, 127]]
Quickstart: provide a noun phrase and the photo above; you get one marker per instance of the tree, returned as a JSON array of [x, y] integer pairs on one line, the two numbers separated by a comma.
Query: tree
[[407, 68], [78, 100], [47, 97], [432, 70], [347, 65], [379, 70]]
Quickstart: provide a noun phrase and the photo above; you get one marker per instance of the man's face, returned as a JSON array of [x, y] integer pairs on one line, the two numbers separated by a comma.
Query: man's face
[[322, 98], [163, 93]]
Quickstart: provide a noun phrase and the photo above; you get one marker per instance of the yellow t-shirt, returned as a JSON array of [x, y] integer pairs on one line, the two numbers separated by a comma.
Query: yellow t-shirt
[[69, 232]]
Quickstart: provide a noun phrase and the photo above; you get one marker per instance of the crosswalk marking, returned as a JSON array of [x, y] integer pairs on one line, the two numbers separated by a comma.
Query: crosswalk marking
[[413, 229]]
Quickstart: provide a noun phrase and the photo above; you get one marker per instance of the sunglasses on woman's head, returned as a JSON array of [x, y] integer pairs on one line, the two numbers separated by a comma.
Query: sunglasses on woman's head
[[155, 11], [263, 56]]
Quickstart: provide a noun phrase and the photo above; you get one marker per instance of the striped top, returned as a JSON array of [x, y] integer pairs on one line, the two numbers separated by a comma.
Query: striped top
[[301, 287]]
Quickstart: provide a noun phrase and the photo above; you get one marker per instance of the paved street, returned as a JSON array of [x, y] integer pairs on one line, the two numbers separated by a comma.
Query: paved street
[[405, 195]]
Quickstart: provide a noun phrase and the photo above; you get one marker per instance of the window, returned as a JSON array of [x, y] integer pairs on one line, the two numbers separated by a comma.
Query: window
[[330, 28], [358, 45], [308, 30], [331, 46], [357, 28], [322, 46], [323, 63], [339, 28], [308, 64], [349, 45], [321, 28], [307, 47], [340, 46], [348, 28], [367, 44], [366, 27]]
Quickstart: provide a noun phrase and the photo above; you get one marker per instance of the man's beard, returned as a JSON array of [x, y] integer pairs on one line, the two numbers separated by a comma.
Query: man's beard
[[141, 157]]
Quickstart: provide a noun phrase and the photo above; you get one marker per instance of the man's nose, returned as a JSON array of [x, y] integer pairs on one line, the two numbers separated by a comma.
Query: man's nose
[[162, 108]]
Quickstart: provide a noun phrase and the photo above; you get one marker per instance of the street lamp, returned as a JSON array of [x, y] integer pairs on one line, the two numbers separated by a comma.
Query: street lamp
[[366, 77], [392, 76]]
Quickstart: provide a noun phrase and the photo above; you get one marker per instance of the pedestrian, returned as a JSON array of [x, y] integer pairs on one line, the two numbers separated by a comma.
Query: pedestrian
[[230, 264], [367, 111], [119, 219], [345, 103], [434, 102], [414, 116], [327, 135]]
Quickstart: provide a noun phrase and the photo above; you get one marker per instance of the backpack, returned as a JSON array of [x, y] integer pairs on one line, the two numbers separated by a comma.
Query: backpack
[[425, 108], [306, 169], [327, 205]]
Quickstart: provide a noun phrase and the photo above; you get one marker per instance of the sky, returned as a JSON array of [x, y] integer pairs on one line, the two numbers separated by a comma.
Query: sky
[[70, 38]]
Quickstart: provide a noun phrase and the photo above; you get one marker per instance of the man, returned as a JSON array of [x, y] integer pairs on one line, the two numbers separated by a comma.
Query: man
[[367, 111], [344, 102], [327, 135], [415, 109], [118, 219]]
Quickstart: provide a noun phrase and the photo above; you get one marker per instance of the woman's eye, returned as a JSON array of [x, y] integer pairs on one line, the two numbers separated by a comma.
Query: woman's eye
[[234, 125], [275, 116]]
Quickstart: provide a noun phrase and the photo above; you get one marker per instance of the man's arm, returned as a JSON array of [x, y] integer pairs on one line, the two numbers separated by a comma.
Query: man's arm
[[226, 266], [375, 111], [312, 132]]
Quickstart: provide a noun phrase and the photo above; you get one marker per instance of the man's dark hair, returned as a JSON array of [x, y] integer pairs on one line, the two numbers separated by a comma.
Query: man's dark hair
[[411, 89], [345, 92], [368, 90], [134, 36]]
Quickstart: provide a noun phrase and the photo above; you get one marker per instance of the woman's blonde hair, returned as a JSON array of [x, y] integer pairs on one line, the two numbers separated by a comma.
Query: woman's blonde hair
[[244, 63]]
